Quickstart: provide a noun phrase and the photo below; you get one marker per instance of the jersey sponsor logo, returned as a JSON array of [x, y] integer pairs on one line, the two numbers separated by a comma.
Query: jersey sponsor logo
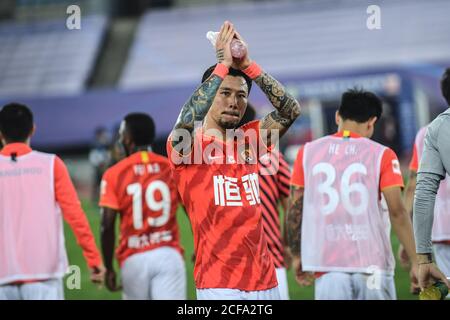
[[347, 232], [145, 240], [227, 190]]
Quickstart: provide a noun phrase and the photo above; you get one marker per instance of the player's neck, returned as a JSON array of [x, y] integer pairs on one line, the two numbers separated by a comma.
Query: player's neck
[[352, 126], [27, 142], [211, 128]]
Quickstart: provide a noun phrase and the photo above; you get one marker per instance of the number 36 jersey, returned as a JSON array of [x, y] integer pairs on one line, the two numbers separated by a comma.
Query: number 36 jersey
[[141, 189], [346, 224]]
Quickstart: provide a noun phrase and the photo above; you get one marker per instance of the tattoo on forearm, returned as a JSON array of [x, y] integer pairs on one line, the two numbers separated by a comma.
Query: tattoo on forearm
[[220, 55], [196, 108], [287, 107], [294, 223], [275, 117]]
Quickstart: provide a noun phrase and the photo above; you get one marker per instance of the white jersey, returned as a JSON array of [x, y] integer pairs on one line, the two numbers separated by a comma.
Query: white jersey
[[31, 227], [441, 222], [345, 227]]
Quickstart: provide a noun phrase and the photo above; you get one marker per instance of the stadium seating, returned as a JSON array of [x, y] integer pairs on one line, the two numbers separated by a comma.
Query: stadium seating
[[313, 36], [45, 58]]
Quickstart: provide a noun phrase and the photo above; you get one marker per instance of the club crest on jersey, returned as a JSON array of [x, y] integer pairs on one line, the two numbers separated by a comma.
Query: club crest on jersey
[[247, 156]]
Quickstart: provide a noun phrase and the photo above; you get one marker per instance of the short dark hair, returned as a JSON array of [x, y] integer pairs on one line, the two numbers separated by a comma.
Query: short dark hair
[[445, 85], [16, 122], [141, 128], [232, 72], [360, 105]]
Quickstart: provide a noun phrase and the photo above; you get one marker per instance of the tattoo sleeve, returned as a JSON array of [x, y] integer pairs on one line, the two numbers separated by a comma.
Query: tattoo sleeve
[[196, 108], [287, 107], [294, 220]]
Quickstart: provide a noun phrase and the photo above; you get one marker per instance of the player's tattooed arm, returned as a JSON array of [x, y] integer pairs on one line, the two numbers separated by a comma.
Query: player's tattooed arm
[[287, 107], [294, 219], [196, 108]]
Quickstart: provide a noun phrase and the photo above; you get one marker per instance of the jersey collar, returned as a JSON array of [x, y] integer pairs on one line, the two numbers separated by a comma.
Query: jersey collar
[[346, 134], [17, 147]]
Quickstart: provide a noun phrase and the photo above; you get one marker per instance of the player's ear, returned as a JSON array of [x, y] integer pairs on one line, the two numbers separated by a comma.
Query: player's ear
[[33, 130], [337, 118], [372, 121]]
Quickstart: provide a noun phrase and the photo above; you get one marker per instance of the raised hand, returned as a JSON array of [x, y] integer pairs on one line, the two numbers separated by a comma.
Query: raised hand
[[223, 49]]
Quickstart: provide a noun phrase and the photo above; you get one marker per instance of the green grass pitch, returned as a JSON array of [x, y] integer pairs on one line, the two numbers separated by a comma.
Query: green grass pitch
[[89, 291]]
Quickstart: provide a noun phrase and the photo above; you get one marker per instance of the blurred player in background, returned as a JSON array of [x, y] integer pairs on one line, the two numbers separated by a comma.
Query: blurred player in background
[[441, 223], [141, 190], [99, 157], [221, 192], [116, 149], [434, 166], [35, 191], [338, 223], [274, 181]]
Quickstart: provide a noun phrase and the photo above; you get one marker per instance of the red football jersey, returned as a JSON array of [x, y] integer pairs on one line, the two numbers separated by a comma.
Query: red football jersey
[[221, 197], [142, 190]]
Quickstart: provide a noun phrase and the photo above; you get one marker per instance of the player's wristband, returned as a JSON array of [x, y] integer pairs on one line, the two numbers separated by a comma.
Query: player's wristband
[[221, 70], [253, 71]]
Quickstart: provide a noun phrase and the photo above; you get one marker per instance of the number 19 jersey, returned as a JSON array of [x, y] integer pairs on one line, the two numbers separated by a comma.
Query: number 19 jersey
[[141, 189]]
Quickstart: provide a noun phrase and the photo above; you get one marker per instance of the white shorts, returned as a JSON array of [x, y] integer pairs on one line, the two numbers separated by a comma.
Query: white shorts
[[157, 274], [42, 290], [282, 283], [354, 286], [236, 294], [442, 255]]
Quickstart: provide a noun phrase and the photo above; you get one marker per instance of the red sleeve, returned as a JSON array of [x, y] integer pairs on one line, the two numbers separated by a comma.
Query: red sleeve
[[298, 175], [283, 177], [390, 173], [108, 196], [174, 155], [414, 164], [169, 149], [74, 215]]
